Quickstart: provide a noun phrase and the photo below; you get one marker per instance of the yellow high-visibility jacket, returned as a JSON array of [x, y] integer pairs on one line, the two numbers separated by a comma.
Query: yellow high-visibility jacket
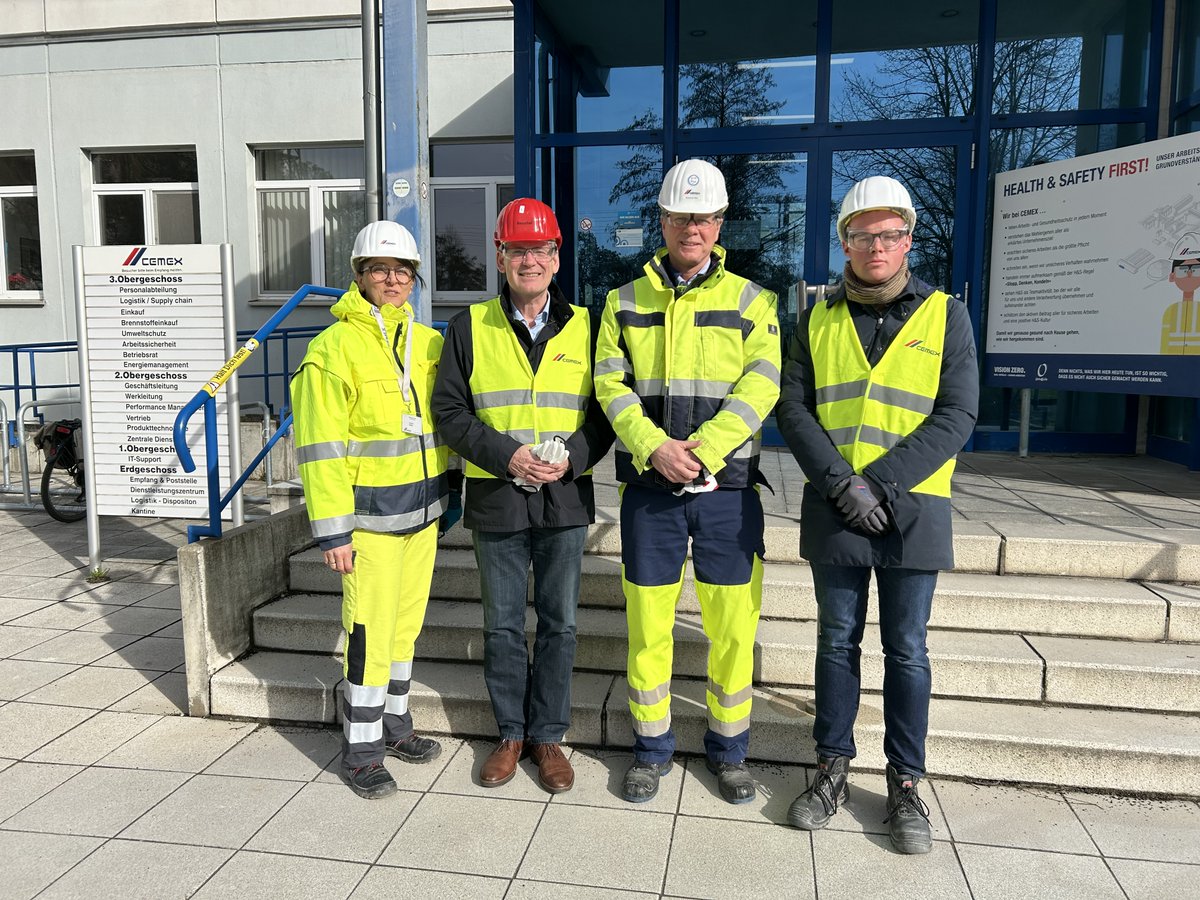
[[530, 407], [867, 411], [702, 366], [360, 467]]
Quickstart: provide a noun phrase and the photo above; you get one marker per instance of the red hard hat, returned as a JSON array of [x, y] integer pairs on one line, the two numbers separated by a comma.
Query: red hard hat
[[527, 219]]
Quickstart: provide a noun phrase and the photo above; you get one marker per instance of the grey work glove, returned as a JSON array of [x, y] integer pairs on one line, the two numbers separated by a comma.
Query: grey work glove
[[861, 507]]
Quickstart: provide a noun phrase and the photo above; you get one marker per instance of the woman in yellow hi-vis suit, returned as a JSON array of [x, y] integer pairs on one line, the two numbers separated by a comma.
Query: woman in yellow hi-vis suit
[[375, 481]]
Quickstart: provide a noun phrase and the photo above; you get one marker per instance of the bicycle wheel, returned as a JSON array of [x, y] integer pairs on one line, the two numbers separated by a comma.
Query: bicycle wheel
[[63, 498]]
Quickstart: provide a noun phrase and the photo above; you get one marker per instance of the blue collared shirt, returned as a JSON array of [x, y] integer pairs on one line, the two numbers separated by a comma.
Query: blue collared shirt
[[539, 321]]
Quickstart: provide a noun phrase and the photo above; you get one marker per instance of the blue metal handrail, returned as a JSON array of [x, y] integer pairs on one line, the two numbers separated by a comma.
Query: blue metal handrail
[[206, 397], [14, 353]]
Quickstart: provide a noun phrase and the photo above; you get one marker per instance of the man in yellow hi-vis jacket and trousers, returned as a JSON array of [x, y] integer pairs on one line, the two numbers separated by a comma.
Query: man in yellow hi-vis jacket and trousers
[[879, 394], [374, 475], [687, 369]]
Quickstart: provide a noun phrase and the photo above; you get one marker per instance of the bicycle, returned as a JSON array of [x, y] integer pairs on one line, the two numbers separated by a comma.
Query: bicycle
[[64, 494]]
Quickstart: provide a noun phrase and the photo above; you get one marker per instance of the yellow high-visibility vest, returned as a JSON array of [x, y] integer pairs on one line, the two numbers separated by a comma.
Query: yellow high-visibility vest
[[509, 396], [866, 411]]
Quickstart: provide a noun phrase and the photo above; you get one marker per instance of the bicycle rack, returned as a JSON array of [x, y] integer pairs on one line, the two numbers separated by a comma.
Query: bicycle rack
[[22, 445]]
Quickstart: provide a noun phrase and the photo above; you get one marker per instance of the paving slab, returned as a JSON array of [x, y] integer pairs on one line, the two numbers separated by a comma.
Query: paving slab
[[383, 883], [13, 640], [179, 745], [67, 614], [89, 686], [20, 677], [77, 647], [94, 738], [149, 654], [641, 842], [1121, 674], [23, 783], [599, 775], [775, 788], [267, 876], [43, 587], [853, 866], [1022, 817], [292, 754], [1162, 830], [545, 890], [15, 607], [461, 776], [134, 620], [213, 811], [166, 695], [32, 861], [1142, 880], [100, 802], [329, 821], [133, 870], [1006, 873], [469, 835], [769, 861], [24, 727]]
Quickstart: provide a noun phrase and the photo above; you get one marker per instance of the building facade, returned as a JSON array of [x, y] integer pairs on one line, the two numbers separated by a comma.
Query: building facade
[[225, 120]]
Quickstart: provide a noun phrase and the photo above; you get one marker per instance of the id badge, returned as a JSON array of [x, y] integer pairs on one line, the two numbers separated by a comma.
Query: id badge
[[411, 424]]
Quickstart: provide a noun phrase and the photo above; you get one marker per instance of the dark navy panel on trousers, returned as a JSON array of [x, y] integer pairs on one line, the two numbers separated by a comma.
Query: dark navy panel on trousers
[[726, 527], [356, 653]]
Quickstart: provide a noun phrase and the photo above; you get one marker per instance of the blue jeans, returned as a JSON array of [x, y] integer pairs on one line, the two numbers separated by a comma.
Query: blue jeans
[[531, 701], [905, 599]]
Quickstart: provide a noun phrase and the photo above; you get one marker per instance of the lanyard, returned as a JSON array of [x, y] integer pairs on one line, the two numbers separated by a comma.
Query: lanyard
[[402, 378]]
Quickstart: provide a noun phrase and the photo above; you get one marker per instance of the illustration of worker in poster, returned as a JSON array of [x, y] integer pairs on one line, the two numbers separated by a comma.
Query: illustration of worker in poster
[[1181, 321]]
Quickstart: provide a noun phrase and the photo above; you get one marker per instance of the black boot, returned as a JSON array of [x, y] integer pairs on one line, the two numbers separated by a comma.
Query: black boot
[[641, 780], [733, 780], [815, 807], [371, 782], [908, 816], [414, 749]]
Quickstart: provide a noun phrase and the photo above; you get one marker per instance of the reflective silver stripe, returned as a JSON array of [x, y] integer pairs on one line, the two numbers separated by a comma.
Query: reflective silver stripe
[[652, 729], [620, 404], [627, 298], [396, 705], [744, 411], [728, 729], [402, 522], [365, 695], [401, 671], [650, 387], [521, 435], [902, 399], [842, 436], [620, 447], [561, 400], [613, 364], [363, 732], [650, 697], [490, 399], [551, 435], [766, 368], [317, 452], [698, 387], [847, 390], [749, 292], [729, 700], [871, 435], [391, 449], [331, 526], [750, 448]]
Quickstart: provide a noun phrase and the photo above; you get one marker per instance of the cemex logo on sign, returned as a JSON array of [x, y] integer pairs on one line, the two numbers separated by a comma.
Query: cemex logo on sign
[[138, 257]]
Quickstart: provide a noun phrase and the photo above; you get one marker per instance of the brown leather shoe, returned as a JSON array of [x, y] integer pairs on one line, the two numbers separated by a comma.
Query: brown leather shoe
[[501, 765], [554, 769]]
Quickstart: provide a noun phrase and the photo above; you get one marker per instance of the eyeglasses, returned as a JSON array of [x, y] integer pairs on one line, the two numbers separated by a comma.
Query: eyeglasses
[[1184, 271], [380, 272], [541, 254], [683, 220], [865, 240]]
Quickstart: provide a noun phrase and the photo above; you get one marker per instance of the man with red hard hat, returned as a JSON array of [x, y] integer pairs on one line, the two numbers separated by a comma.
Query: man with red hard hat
[[514, 399]]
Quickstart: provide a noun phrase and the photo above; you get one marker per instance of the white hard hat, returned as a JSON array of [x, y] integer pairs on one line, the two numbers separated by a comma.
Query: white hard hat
[[1187, 247], [876, 192], [693, 186], [385, 238]]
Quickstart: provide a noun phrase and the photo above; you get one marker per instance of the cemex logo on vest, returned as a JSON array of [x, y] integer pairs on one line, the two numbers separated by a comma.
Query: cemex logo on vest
[[562, 357], [920, 345], [138, 257]]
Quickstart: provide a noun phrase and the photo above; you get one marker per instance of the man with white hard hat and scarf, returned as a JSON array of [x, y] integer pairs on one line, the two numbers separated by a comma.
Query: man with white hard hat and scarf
[[880, 391]]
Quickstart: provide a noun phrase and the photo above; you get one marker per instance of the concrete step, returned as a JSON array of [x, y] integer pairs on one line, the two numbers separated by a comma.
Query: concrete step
[[1137, 675], [1090, 607], [1063, 747]]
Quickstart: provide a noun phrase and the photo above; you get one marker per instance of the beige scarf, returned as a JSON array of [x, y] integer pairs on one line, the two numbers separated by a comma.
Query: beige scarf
[[875, 294]]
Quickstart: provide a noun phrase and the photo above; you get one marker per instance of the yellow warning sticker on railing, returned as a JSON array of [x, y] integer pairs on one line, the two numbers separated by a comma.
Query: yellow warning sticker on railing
[[230, 367]]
